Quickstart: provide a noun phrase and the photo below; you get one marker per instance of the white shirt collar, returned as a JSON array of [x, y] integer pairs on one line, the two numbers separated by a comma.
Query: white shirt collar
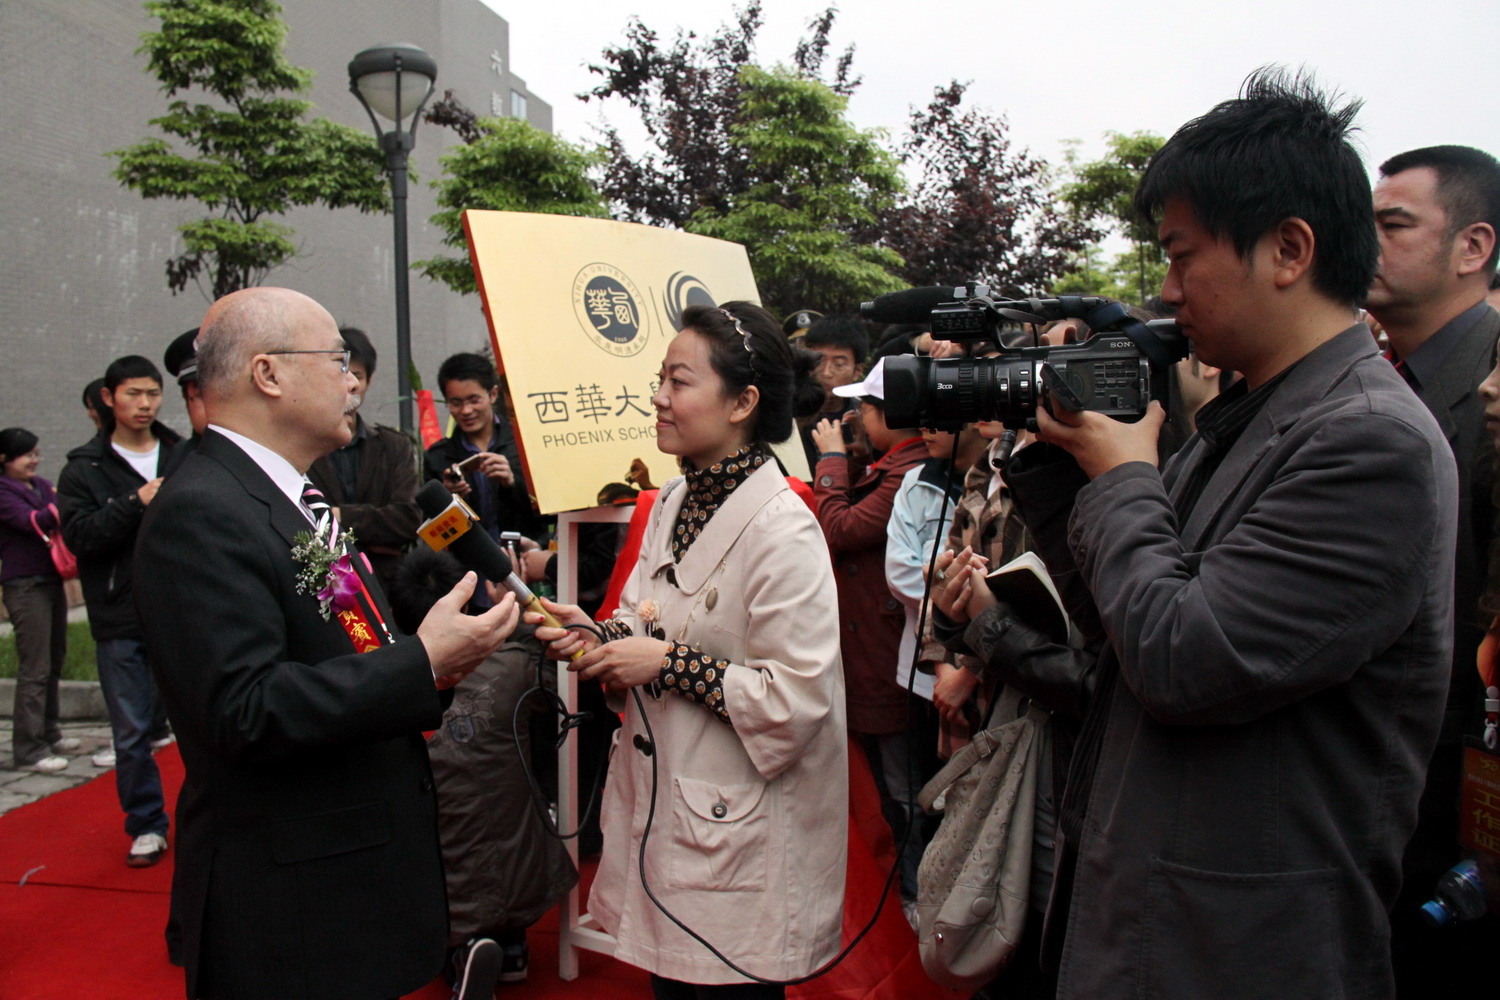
[[285, 475]]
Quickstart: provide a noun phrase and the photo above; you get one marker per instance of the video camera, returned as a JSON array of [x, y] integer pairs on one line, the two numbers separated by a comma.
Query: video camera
[[1117, 371]]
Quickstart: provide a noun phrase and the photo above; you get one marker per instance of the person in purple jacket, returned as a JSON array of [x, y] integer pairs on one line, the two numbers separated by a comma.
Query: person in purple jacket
[[33, 594]]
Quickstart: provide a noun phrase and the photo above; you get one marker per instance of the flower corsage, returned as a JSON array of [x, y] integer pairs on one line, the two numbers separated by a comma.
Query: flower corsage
[[326, 573]]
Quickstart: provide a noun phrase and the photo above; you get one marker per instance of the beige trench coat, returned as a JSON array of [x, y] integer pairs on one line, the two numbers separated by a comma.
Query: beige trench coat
[[749, 839]]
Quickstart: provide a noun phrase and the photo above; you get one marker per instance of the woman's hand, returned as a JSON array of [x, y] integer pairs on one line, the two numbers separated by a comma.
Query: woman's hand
[[953, 688], [624, 663], [562, 642], [828, 435], [953, 586]]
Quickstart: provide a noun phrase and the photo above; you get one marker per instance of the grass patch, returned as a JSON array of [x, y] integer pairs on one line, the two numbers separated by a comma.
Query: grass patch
[[79, 665]]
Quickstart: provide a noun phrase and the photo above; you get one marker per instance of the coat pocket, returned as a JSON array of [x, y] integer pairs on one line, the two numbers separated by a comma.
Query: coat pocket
[[1231, 935], [324, 835], [719, 836]]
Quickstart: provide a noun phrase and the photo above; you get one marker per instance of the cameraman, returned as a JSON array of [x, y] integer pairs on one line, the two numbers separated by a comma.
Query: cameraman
[[1276, 603]]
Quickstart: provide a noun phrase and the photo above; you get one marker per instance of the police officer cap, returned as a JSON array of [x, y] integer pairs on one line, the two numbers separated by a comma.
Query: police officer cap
[[181, 358]]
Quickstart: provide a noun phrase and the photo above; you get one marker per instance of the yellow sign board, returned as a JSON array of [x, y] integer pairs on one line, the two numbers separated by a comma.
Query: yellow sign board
[[580, 313]]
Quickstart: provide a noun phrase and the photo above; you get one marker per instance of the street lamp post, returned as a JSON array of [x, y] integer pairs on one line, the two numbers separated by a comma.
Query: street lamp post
[[395, 81]]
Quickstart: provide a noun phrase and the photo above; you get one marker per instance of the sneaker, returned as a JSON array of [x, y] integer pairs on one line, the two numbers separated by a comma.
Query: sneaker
[[67, 744], [514, 961], [48, 765], [146, 851], [164, 741], [479, 964], [104, 758]]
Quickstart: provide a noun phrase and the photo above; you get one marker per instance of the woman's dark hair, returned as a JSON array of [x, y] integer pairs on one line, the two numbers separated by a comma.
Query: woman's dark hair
[[15, 442], [782, 372]]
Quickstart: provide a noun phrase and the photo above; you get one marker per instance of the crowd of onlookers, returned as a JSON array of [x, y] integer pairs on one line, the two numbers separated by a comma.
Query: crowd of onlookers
[[922, 672]]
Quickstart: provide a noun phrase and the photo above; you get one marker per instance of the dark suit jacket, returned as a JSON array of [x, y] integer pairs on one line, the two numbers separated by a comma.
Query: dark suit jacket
[[1278, 667], [307, 853], [383, 511]]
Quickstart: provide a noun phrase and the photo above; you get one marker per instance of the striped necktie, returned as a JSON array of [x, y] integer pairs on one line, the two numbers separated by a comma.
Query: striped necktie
[[324, 521]]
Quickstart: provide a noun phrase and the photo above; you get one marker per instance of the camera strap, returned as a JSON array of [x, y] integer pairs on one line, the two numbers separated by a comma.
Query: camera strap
[[1113, 316]]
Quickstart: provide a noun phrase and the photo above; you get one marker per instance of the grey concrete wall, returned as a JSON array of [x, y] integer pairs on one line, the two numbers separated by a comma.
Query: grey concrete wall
[[82, 275]]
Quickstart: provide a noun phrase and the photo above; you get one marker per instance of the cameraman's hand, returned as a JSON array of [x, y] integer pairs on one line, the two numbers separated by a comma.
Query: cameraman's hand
[[828, 435], [1100, 443]]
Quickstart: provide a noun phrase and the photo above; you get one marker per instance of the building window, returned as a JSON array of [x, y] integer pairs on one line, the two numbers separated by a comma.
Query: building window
[[518, 105], [497, 104]]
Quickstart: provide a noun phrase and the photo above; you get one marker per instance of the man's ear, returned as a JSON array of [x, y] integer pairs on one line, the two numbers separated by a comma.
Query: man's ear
[[1475, 244], [263, 375], [1292, 244], [108, 396]]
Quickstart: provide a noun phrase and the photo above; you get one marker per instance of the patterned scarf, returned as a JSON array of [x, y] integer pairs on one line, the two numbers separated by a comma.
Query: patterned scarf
[[707, 490]]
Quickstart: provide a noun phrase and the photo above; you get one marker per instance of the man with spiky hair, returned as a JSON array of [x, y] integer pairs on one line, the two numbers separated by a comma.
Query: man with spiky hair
[[1277, 600], [1438, 212]]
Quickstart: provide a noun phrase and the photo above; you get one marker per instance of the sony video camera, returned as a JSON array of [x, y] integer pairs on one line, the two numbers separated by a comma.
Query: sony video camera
[[1117, 371]]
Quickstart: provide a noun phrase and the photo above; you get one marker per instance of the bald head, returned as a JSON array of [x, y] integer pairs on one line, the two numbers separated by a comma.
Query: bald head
[[271, 366], [246, 323]]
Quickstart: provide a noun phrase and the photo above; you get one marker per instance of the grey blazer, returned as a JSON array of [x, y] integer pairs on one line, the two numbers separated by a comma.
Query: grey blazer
[[1283, 659]]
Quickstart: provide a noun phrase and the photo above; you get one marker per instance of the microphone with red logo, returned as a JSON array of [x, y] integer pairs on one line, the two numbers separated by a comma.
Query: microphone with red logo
[[452, 526]]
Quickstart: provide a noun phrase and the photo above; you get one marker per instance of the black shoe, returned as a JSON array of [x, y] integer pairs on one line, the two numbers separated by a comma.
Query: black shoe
[[514, 962], [478, 965]]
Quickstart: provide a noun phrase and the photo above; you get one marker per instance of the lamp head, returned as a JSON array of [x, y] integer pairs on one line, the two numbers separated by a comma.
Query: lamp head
[[393, 80]]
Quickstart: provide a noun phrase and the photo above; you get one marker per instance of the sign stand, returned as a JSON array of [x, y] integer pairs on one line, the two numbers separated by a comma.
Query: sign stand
[[575, 929]]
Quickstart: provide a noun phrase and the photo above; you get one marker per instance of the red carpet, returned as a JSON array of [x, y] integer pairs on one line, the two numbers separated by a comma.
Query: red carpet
[[84, 924]]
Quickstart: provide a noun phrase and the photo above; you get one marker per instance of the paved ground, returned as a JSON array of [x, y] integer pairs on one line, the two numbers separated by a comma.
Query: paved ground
[[18, 788]]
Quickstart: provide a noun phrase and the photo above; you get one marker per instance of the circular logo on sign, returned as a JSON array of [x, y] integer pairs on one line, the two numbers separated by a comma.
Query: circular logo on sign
[[608, 307]]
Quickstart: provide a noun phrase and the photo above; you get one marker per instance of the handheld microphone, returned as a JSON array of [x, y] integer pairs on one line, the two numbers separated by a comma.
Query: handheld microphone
[[453, 526]]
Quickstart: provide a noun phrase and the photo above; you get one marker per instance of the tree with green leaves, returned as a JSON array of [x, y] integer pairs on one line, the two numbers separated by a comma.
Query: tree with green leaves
[[509, 165], [1101, 191], [817, 184], [247, 151]]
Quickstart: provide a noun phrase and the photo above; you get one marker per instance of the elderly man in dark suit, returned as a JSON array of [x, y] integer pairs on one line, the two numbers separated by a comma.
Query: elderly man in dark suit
[[308, 862], [1438, 211], [1277, 602]]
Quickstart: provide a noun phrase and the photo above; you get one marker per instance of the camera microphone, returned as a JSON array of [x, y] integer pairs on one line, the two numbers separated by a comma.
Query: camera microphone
[[453, 526], [914, 305]]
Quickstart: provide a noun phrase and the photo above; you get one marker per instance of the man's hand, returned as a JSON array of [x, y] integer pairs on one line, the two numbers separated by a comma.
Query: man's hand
[[1100, 443], [496, 467], [457, 485], [456, 643], [828, 436], [534, 564], [623, 664], [953, 687], [147, 493]]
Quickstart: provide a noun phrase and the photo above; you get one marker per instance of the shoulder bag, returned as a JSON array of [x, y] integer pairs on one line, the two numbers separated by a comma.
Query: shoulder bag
[[62, 557]]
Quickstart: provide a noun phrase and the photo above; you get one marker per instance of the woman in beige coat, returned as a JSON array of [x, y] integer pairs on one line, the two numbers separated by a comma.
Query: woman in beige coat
[[729, 629]]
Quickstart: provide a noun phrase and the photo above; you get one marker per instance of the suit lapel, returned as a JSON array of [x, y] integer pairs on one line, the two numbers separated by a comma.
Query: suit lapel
[[1455, 382], [286, 517], [1303, 387]]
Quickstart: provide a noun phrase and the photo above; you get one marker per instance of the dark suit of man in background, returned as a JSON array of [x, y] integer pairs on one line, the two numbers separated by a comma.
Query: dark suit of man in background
[[308, 861], [1438, 211], [371, 481]]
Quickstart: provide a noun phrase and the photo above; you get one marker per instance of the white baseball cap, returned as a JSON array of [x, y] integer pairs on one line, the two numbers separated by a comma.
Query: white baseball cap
[[872, 385]]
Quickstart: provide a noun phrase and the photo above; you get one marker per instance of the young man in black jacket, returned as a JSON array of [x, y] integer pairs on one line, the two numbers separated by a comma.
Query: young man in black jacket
[[102, 494]]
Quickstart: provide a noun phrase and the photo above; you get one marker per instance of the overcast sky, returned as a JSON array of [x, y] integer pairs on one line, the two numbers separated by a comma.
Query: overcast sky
[[1074, 69]]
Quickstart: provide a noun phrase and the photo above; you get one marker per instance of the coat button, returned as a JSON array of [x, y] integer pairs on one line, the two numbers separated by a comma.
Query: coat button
[[720, 810], [426, 784], [672, 576], [643, 745]]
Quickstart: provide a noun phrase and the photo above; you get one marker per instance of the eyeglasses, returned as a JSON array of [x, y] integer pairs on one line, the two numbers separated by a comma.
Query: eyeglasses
[[837, 364], [459, 403], [343, 356]]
